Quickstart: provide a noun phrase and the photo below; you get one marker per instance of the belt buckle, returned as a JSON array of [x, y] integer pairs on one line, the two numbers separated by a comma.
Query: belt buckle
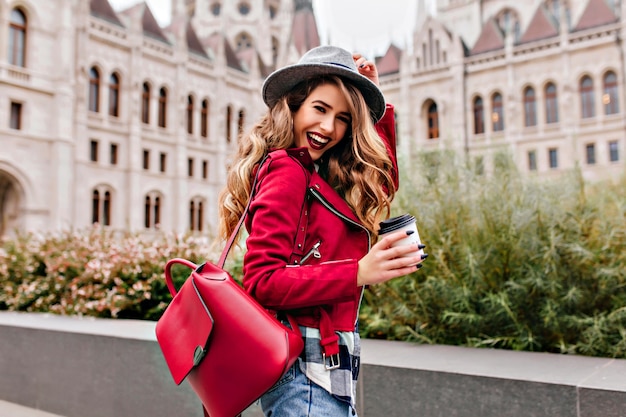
[[333, 360]]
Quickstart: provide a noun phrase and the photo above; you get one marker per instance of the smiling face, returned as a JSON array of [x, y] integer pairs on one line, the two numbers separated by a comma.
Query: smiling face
[[322, 120]]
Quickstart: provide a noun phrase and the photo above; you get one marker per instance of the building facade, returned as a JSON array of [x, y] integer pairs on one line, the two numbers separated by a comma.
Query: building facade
[[540, 80], [106, 117]]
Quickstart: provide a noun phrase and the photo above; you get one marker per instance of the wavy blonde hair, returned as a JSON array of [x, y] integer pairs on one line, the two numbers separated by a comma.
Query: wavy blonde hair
[[358, 167]]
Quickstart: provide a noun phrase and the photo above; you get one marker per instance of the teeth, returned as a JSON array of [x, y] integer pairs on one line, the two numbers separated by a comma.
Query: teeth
[[318, 139]]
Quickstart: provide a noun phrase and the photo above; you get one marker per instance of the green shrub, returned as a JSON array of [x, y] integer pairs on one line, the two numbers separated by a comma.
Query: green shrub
[[514, 263]]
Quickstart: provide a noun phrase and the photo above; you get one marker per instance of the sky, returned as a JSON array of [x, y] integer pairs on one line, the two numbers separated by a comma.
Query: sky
[[365, 26]]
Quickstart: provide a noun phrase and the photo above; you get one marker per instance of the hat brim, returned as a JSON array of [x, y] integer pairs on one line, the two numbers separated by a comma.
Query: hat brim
[[283, 80]]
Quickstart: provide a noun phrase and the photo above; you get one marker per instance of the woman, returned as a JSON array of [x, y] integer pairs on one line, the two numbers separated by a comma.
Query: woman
[[328, 180]]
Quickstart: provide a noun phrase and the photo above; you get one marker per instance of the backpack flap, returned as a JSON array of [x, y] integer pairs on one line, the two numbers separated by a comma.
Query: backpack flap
[[184, 329]]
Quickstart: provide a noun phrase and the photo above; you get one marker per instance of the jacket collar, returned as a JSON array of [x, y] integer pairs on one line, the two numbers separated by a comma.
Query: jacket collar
[[318, 183]]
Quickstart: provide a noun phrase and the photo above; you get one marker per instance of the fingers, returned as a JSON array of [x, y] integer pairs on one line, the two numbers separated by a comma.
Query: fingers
[[365, 67]]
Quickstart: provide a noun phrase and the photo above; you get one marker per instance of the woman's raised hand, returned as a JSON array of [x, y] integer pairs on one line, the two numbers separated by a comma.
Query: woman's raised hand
[[366, 68], [383, 262]]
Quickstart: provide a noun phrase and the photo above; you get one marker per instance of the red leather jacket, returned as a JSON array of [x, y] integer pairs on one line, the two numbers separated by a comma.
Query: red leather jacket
[[304, 240]]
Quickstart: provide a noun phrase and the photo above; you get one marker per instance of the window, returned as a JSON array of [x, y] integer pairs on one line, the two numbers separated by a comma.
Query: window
[[609, 97], [509, 23], [479, 116], [114, 95], [591, 153], [433, 121], [114, 148], [190, 115], [553, 6], [17, 38], [216, 8], [552, 104], [101, 207], [273, 11], [162, 162], [196, 215], [162, 107], [93, 151], [497, 115], [613, 151], [229, 117], [15, 122], [243, 41], [94, 89], [204, 119], [530, 107], [244, 8], [190, 167], [152, 211], [586, 97], [241, 120], [145, 103], [275, 49], [532, 160], [146, 159], [553, 156], [205, 170]]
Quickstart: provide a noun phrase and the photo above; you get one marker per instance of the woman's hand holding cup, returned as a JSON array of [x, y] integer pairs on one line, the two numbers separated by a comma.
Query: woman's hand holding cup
[[397, 253]]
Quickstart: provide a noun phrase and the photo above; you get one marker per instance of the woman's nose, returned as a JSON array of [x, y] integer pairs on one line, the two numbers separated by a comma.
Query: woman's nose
[[327, 124]]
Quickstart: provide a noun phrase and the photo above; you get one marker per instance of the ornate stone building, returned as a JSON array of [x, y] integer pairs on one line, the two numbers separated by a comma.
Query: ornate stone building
[[541, 80], [107, 117]]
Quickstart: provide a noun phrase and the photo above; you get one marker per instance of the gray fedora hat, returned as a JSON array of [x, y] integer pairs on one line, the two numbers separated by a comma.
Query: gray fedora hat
[[323, 60]]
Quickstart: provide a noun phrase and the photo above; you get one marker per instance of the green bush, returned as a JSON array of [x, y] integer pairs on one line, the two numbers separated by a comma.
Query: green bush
[[514, 263]]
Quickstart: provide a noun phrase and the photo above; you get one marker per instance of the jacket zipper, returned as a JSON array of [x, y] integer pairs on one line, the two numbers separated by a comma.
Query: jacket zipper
[[337, 213], [313, 252]]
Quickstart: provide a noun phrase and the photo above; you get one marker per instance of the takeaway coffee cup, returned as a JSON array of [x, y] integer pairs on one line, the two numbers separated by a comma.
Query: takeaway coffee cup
[[404, 223]]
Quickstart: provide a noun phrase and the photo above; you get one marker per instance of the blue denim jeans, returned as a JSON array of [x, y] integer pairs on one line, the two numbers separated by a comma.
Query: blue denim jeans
[[296, 396]]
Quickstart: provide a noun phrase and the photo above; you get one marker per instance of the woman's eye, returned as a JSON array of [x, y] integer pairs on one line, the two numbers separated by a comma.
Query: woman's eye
[[320, 109], [346, 120]]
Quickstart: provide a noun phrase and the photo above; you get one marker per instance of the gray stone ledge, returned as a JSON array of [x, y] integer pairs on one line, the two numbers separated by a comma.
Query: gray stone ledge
[[88, 367]]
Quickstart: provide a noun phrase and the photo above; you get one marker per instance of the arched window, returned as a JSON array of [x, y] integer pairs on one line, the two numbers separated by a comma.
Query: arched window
[[497, 112], [145, 103], [162, 107], [101, 207], [530, 107], [152, 211], [609, 96], [204, 119], [554, 7], [552, 104], [190, 115], [243, 41], [114, 95], [586, 97], [508, 21], [94, 89], [241, 120], [479, 116], [244, 8], [275, 48], [196, 215], [17, 38], [273, 10], [229, 120], [433, 121]]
